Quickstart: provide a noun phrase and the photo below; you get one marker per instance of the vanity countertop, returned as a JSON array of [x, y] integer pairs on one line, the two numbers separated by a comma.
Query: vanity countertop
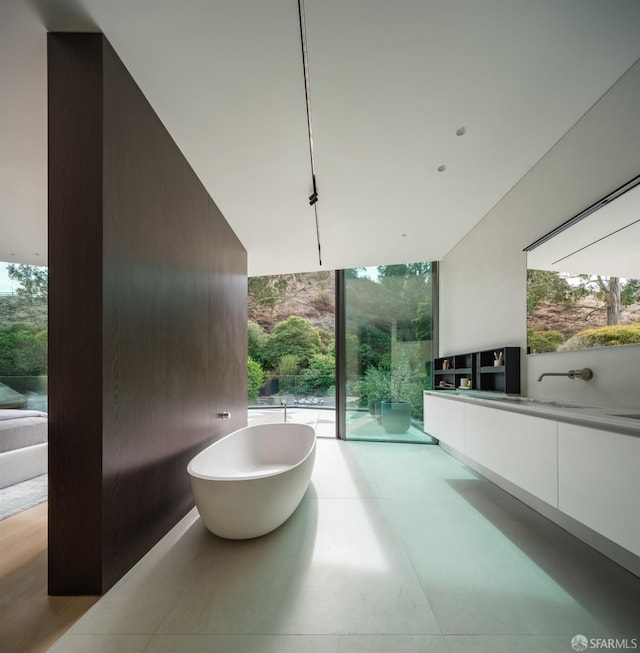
[[621, 420]]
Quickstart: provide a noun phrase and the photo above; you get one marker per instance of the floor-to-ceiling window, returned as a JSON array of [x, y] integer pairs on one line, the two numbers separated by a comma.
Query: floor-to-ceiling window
[[23, 387], [23, 336], [387, 318], [291, 346]]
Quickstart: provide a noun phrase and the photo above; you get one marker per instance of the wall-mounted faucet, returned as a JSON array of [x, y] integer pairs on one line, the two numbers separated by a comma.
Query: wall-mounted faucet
[[584, 374], [283, 403]]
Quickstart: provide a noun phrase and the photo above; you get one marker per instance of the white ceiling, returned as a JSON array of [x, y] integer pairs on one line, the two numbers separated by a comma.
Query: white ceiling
[[390, 83]]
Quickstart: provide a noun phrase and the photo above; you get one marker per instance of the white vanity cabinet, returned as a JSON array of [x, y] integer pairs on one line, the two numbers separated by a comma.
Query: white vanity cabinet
[[520, 448], [444, 419], [599, 481], [586, 472]]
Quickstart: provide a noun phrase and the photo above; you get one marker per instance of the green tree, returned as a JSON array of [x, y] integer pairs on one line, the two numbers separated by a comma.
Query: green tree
[[408, 297], [375, 345], [17, 310], [295, 336], [33, 280], [374, 386], [267, 292], [23, 351], [327, 341], [288, 365], [545, 287], [614, 292], [319, 376], [288, 368], [630, 293], [256, 379], [29, 303], [257, 340], [609, 291], [423, 321], [390, 316]]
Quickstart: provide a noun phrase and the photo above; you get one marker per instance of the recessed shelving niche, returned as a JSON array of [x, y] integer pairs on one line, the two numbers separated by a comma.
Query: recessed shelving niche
[[481, 368]]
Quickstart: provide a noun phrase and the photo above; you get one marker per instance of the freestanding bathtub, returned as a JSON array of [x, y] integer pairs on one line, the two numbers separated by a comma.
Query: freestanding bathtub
[[250, 482]]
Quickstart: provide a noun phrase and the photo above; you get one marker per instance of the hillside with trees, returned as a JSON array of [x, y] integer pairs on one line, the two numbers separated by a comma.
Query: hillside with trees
[[576, 311], [310, 295], [291, 333]]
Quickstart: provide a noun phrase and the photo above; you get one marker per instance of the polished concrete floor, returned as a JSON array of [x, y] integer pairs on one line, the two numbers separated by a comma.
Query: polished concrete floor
[[396, 548]]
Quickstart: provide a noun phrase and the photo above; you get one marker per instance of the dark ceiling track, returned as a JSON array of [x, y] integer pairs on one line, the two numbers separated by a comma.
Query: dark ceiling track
[[313, 198]]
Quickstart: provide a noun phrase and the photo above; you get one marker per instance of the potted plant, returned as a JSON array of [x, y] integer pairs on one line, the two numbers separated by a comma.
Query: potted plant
[[395, 411], [374, 386]]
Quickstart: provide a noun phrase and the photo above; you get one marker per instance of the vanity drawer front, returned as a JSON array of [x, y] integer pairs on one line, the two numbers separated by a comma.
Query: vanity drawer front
[[600, 481], [444, 419], [520, 448]]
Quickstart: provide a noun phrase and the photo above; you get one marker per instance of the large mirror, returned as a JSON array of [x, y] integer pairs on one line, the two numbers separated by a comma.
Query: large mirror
[[583, 287]]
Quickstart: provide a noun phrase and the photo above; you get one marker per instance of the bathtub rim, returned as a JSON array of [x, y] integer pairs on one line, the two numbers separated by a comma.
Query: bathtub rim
[[254, 477]]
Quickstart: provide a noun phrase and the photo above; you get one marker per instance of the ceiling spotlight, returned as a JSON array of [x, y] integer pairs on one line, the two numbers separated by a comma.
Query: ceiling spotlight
[[461, 131], [442, 168]]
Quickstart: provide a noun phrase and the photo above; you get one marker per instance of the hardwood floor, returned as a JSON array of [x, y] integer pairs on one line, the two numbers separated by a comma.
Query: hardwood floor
[[30, 620]]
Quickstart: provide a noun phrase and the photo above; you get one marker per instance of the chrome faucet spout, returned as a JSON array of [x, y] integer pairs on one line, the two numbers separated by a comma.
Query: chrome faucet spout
[[283, 403], [552, 374], [585, 374]]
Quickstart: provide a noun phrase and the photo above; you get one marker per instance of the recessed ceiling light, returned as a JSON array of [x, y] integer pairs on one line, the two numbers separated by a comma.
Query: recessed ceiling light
[[442, 168], [461, 131]]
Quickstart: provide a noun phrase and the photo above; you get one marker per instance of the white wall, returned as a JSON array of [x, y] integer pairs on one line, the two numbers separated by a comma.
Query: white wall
[[483, 278]]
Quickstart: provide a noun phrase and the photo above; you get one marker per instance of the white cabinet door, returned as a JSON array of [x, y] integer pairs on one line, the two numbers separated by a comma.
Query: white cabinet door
[[599, 485], [444, 419], [520, 448]]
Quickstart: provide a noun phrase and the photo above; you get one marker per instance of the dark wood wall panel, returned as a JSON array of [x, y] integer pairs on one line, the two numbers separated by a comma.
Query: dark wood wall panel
[[75, 314], [173, 315]]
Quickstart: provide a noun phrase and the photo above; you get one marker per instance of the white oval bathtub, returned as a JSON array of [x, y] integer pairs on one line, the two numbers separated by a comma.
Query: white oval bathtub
[[249, 482]]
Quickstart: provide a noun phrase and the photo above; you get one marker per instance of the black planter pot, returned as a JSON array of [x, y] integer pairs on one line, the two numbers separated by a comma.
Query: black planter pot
[[395, 416]]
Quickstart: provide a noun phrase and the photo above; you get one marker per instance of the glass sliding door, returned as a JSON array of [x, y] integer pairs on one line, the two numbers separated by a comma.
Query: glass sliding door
[[387, 317]]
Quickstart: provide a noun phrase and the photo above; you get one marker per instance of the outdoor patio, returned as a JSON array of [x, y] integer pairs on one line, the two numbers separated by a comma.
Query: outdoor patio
[[362, 426]]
